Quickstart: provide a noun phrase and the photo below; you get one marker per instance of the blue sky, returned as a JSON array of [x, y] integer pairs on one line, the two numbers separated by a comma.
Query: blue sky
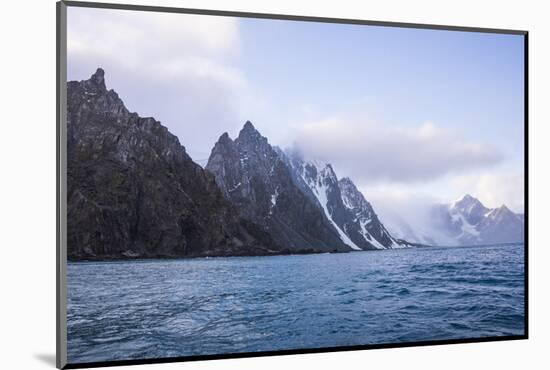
[[406, 113], [469, 81]]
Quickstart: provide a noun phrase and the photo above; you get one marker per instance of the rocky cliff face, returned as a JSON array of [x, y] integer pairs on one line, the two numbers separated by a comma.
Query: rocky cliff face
[[134, 192], [256, 179]]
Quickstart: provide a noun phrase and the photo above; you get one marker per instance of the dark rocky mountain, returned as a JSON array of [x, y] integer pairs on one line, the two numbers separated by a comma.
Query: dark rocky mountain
[[469, 222], [255, 178], [132, 190]]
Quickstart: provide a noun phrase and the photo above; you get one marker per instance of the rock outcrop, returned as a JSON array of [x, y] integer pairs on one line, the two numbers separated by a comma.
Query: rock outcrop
[[134, 192]]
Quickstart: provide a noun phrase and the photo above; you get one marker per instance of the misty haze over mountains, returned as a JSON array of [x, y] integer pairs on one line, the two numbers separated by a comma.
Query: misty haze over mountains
[[134, 192], [463, 222]]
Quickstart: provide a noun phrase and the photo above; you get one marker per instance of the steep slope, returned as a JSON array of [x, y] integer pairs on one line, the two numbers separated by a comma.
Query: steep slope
[[324, 185], [253, 176], [343, 204], [132, 190], [364, 220]]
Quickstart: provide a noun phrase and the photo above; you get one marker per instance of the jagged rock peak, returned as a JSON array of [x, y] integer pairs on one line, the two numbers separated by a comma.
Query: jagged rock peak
[[258, 180], [248, 130], [98, 78], [248, 126], [224, 138]]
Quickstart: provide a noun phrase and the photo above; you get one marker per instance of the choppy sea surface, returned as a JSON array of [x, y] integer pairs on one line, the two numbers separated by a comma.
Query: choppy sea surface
[[171, 308]]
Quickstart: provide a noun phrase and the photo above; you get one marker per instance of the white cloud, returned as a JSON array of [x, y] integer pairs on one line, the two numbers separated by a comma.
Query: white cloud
[[374, 152], [178, 68], [407, 213], [493, 189], [126, 34]]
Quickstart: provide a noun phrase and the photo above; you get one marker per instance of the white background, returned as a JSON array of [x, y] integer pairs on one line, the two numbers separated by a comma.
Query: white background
[[27, 185]]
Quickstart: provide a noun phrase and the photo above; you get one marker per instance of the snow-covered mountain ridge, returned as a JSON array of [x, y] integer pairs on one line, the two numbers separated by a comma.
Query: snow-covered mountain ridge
[[469, 222]]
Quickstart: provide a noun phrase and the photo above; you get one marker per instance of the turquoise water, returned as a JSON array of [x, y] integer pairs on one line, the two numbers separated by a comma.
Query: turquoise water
[[172, 308]]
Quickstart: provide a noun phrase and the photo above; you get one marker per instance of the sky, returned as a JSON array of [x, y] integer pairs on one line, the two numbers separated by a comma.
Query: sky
[[411, 116]]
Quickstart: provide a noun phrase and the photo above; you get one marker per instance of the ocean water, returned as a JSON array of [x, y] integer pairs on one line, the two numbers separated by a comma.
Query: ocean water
[[167, 308]]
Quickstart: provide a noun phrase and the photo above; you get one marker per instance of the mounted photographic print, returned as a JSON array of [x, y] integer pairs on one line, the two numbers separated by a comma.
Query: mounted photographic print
[[235, 184]]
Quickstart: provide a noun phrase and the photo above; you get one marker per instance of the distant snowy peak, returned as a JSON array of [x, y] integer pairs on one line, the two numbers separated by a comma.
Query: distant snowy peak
[[502, 214], [470, 208], [466, 202], [469, 222]]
